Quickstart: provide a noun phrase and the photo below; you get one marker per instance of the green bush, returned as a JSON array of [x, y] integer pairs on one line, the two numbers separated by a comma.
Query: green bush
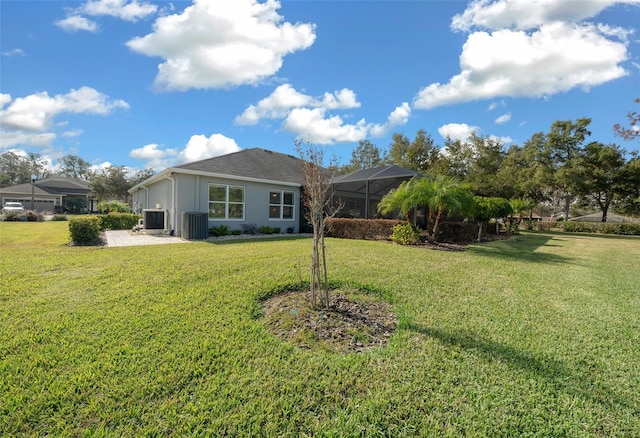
[[368, 229], [405, 235], [269, 230], [59, 218], [249, 228], [118, 221], [219, 231], [113, 207], [84, 229], [236, 232], [13, 216], [622, 228]]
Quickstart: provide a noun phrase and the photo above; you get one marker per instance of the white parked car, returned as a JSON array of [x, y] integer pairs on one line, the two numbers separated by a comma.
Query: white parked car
[[13, 207]]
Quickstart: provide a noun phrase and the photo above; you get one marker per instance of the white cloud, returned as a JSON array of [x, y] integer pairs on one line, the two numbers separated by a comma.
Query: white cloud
[[309, 118], [527, 14], [315, 126], [200, 147], [13, 52], [496, 105], [503, 118], [218, 43], [36, 111], [72, 133], [13, 138], [128, 11], [503, 140], [554, 59], [398, 117], [121, 9], [74, 23], [153, 156], [458, 131], [284, 98]]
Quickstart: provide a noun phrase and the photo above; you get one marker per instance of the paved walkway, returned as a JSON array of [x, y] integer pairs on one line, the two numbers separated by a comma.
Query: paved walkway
[[126, 238]]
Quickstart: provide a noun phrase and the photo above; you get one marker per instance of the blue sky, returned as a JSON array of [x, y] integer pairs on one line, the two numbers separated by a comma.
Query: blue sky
[[154, 84]]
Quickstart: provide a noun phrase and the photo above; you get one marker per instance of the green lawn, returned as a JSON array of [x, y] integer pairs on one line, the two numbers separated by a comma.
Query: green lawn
[[535, 336]]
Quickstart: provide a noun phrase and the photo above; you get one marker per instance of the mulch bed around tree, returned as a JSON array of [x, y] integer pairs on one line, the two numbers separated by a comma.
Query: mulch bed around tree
[[350, 324]]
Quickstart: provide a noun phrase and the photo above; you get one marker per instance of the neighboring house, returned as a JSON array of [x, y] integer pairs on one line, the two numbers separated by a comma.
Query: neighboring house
[[597, 217], [51, 194], [252, 186]]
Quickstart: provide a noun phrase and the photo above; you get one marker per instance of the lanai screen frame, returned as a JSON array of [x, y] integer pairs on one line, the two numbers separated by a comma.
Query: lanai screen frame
[[367, 186]]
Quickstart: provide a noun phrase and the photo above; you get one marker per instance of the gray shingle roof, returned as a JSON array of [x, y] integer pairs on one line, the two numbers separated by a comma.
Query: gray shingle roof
[[252, 163]]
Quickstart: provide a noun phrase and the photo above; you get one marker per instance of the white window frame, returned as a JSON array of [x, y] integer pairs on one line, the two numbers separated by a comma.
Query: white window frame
[[227, 203], [281, 205]]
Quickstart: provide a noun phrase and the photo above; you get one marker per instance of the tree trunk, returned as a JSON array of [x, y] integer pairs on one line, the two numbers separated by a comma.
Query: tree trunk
[[436, 226], [479, 231], [567, 206]]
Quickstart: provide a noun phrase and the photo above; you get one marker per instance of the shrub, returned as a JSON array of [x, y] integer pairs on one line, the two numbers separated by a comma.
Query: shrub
[[269, 230], [249, 228], [113, 207], [405, 235], [369, 229], [84, 229], [118, 221], [458, 232], [59, 218], [12, 216], [622, 228], [236, 232], [219, 231]]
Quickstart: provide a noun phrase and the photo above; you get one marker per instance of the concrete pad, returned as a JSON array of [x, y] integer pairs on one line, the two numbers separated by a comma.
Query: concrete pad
[[126, 238]]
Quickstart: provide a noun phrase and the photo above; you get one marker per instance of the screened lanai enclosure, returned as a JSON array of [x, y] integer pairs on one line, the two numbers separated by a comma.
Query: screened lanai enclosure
[[360, 192]]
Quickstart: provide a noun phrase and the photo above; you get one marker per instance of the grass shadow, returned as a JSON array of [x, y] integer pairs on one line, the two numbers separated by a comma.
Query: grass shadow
[[256, 238], [569, 379], [521, 248]]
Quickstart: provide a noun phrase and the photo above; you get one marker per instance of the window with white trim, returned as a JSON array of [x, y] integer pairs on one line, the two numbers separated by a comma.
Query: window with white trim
[[281, 204], [226, 202]]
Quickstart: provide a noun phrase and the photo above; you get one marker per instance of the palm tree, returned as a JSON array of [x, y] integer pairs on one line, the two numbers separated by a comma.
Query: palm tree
[[400, 199], [445, 195]]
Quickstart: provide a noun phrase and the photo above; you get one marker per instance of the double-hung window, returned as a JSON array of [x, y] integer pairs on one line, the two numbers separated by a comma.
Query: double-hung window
[[226, 202], [281, 204]]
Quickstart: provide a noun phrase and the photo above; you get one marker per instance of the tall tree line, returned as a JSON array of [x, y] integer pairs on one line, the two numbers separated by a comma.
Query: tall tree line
[[559, 168]]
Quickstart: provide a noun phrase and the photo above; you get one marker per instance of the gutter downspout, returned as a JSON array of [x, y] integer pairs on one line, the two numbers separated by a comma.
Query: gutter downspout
[[173, 203]]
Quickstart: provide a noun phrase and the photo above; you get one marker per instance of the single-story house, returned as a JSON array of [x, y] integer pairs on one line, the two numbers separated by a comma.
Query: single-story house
[[51, 194], [597, 217], [250, 187]]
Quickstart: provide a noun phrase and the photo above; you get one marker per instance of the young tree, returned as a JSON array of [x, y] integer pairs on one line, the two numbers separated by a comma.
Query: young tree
[[490, 208], [317, 181]]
